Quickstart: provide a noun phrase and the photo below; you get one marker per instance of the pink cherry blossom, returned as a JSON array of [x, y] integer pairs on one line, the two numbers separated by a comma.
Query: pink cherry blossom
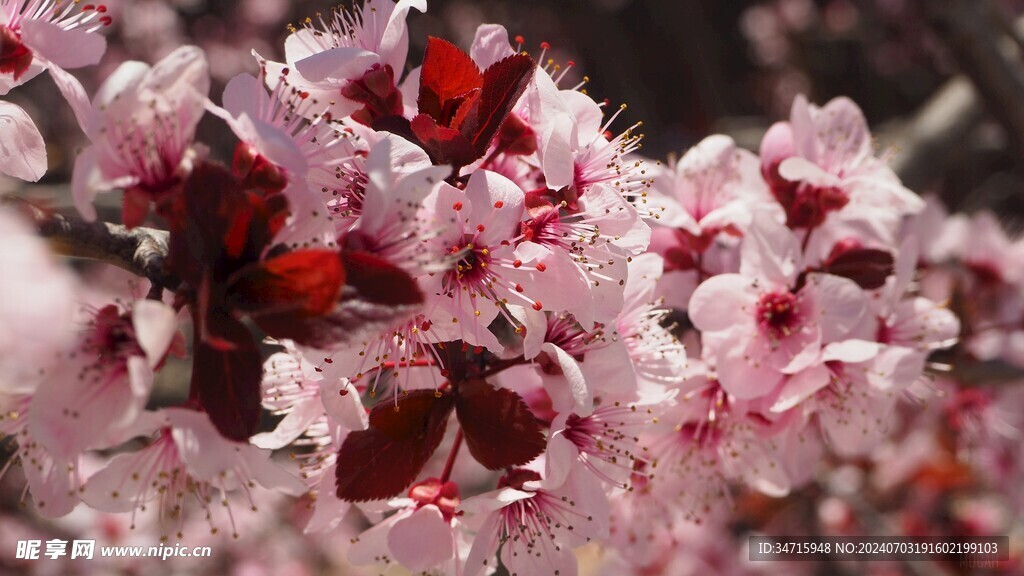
[[821, 167], [536, 527], [141, 124], [328, 54], [102, 386], [760, 324], [423, 534], [40, 34], [185, 457]]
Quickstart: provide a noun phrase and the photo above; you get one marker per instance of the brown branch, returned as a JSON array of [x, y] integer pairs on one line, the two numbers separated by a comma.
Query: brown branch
[[987, 54], [140, 251], [934, 134]]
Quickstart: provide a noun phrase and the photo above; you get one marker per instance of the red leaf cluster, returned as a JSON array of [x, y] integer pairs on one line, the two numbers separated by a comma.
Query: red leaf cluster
[[382, 461], [461, 109]]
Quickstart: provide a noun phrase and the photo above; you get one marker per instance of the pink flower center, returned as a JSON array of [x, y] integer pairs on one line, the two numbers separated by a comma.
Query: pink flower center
[[471, 269], [15, 57], [778, 314]]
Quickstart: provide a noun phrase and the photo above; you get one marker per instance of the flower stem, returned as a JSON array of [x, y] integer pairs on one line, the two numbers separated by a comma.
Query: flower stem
[[451, 457]]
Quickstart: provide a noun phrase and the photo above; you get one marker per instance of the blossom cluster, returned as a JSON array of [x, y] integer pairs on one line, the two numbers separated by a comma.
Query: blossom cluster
[[471, 243]]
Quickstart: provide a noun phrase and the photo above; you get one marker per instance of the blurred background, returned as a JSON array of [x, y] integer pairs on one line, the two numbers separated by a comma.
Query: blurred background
[[686, 68], [940, 81]]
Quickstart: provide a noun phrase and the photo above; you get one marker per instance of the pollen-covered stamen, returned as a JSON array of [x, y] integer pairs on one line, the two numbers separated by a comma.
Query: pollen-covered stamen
[[479, 273], [341, 29], [391, 357], [578, 234], [605, 159], [655, 351], [151, 144], [285, 385], [611, 434], [531, 526], [566, 333], [343, 185], [67, 15], [780, 314], [316, 451]]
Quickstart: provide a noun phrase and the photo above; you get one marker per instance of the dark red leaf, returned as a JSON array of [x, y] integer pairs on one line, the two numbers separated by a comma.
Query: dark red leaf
[[134, 207], [867, 267], [503, 83], [385, 459], [396, 125], [447, 76], [303, 283], [378, 281], [199, 220], [444, 145], [499, 429], [351, 320], [226, 375]]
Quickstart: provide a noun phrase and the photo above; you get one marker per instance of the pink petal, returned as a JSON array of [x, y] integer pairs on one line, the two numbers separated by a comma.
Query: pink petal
[[610, 370], [50, 484], [800, 387], [294, 424], [843, 135], [797, 169], [337, 63], [485, 545], [84, 177], [486, 190], [22, 150], [849, 351], [723, 302], [776, 146], [328, 509], [584, 401], [341, 401], [618, 219], [121, 476], [557, 152], [842, 304], [394, 41], [73, 48], [560, 458], [421, 540], [490, 45], [244, 94], [74, 93], [744, 375], [371, 546], [155, 325], [770, 251]]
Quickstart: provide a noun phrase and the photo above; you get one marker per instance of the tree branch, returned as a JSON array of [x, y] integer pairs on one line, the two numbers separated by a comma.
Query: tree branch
[[140, 251], [992, 60]]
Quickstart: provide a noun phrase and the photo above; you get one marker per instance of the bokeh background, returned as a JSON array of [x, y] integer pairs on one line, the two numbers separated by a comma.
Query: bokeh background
[[940, 81]]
